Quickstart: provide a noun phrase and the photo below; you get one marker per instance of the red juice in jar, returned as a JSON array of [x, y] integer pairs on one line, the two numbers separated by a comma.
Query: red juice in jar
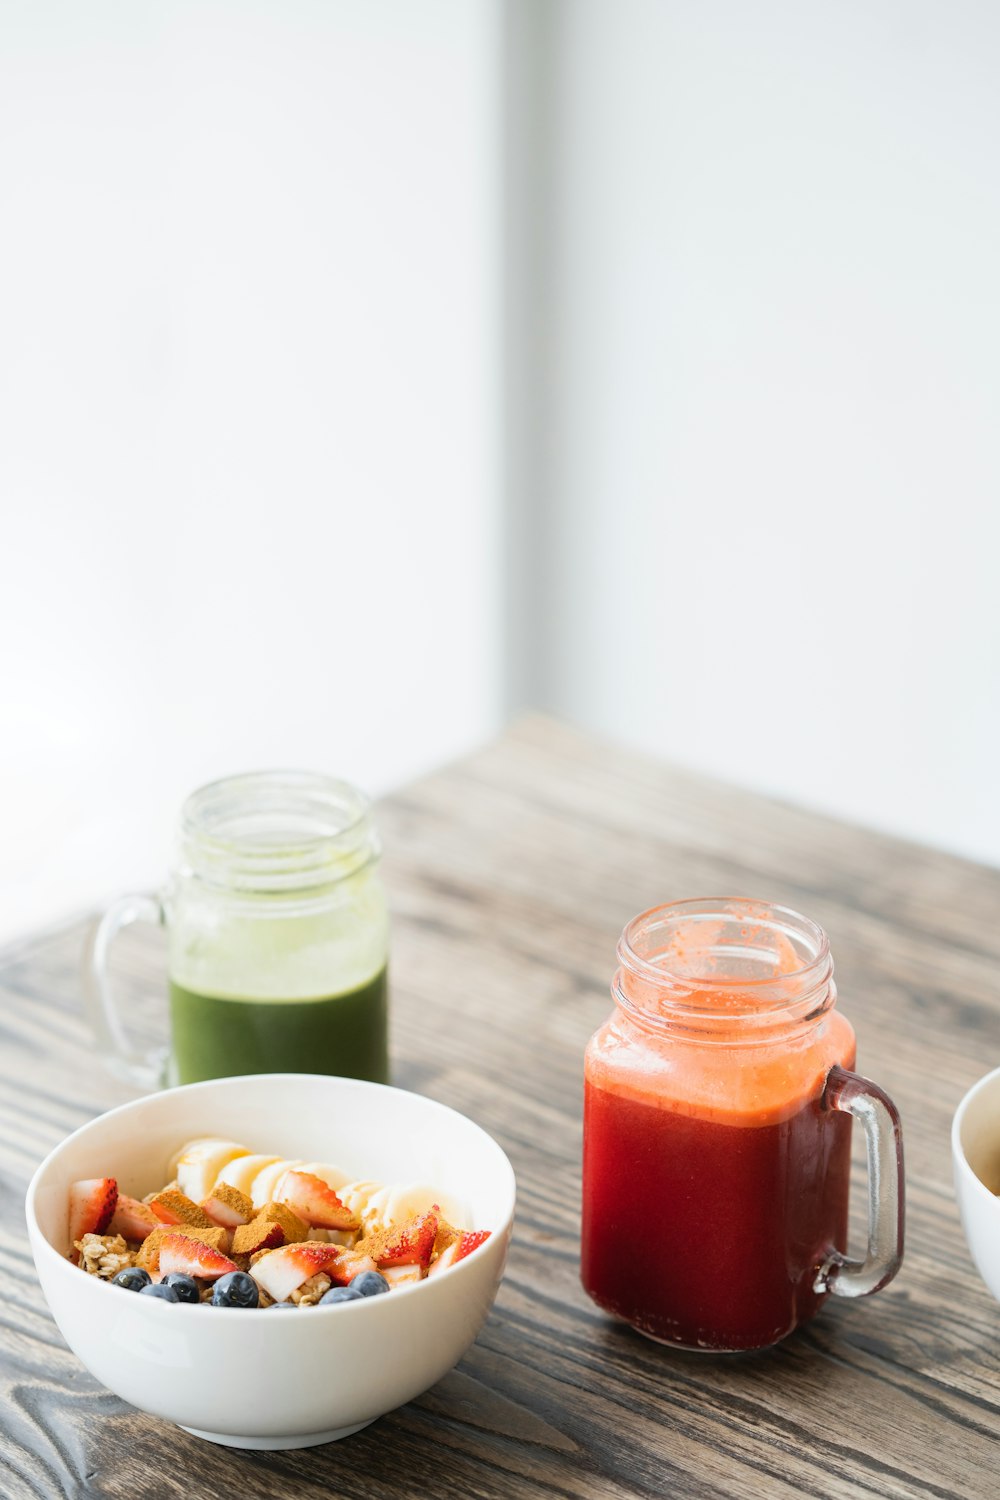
[[717, 1120]]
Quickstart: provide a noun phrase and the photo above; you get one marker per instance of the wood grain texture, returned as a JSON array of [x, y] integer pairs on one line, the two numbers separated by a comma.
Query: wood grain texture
[[511, 875]]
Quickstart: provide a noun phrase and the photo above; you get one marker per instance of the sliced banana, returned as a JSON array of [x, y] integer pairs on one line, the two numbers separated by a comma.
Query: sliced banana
[[380, 1206], [202, 1164], [367, 1201], [417, 1198], [198, 1164], [331, 1175], [241, 1173], [266, 1181]]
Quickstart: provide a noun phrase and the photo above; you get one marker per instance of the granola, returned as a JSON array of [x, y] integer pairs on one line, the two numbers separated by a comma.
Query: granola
[[104, 1255], [310, 1292]]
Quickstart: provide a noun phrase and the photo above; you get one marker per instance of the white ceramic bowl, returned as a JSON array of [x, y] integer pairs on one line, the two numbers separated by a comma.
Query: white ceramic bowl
[[252, 1378], [975, 1150]]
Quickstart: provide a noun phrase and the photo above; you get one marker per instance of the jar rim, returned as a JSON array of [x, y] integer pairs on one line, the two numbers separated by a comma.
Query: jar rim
[[661, 987], [277, 830], [713, 908]]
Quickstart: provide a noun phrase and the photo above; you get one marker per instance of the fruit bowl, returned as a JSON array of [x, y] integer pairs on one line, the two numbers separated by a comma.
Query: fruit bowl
[[247, 1378]]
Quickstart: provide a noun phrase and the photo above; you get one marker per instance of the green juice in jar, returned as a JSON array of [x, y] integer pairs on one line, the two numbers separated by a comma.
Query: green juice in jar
[[278, 932], [218, 1035]]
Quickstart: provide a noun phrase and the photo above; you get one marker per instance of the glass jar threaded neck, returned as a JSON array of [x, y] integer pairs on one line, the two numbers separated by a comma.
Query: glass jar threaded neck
[[724, 969], [277, 832]]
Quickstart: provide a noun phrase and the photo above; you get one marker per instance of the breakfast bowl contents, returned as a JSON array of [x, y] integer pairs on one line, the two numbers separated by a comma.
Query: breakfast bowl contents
[[975, 1150], [289, 1237], [370, 1196]]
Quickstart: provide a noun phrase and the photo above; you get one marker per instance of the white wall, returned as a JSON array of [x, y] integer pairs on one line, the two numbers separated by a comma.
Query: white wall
[[766, 450], [256, 405], [249, 325]]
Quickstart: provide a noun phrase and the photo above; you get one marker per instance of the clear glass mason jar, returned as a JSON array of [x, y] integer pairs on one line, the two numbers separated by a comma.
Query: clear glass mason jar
[[717, 1124], [277, 937]]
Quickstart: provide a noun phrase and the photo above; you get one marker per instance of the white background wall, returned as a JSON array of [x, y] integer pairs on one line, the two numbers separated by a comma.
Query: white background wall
[[366, 368], [249, 303], [766, 456]]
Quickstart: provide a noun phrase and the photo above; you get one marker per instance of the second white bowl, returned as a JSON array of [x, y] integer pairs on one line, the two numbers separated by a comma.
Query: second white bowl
[[975, 1149]]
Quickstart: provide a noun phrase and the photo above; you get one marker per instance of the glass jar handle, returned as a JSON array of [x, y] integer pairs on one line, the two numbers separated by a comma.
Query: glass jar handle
[[145, 1069], [842, 1274]]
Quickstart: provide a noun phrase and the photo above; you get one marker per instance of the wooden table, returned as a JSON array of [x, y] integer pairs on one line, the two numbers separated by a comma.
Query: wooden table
[[511, 875]]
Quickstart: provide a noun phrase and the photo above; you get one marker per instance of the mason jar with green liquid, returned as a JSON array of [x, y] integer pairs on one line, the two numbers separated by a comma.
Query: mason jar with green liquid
[[277, 937]]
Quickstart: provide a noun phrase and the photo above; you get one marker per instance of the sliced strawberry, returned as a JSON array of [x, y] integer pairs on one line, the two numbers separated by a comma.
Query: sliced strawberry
[[131, 1219], [313, 1200], [178, 1252], [459, 1249], [173, 1207], [411, 1243], [148, 1254], [91, 1205], [228, 1207], [346, 1264], [470, 1241], [279, 1272]]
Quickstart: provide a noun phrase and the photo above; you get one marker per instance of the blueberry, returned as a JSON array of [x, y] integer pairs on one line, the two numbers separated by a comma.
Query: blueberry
[[283, 1304], [133, 1279], [235, 1289], [340, 1294], [185, 1286], [369, 1284], [157, 1289]]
